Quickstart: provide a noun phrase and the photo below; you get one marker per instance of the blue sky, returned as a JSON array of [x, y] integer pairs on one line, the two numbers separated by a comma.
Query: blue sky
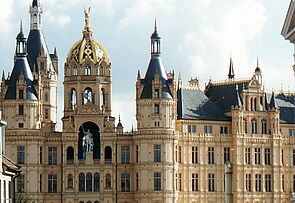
[[197, 38]]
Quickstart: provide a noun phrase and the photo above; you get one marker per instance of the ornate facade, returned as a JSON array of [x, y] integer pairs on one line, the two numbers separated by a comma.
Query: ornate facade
[[184, 135]]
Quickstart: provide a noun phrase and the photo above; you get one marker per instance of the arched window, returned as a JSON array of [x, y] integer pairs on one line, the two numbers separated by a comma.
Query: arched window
[[102, 97], [263, 126], [89, 202], [70, 181], [81, 202], [87, 95], [96, 202], [82, 182], [108, 181], [73, 98], [89, 182], [70, 153], [245, 126], [35, 19], [254, 126], [87, 70], [75, 70], [100, 70], [108, 154], [96, 182], [255, 104]]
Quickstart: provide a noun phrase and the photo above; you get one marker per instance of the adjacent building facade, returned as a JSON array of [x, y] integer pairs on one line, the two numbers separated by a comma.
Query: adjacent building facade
[[184, 135]]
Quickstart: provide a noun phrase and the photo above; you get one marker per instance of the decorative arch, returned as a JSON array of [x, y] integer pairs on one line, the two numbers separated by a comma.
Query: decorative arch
[[89, 140], [254, 126], [82, 182], [87, 70], [88, 182], [263, 126], [96, 182], [73, 98]]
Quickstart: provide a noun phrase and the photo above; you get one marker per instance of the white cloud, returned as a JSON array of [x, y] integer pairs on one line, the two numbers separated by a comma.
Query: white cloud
[[5, 17], [59, 19]]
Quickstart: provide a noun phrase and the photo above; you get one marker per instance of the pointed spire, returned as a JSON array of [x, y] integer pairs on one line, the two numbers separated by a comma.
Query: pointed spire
[[35, 3], [179, 80], [119, 125], [273, 104], [138, 75], [21, 26], [55, 51], [231, 74], [3, 76], [257, 69], [237, 99], [155, 28]]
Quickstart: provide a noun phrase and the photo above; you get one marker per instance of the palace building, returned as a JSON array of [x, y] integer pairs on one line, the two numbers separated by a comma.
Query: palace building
[[184, 135]]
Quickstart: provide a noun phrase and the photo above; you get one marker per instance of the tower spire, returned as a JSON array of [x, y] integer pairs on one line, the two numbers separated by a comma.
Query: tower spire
[[155, 42], [257, 69], [231, 74], [155, 29], [36, 15]]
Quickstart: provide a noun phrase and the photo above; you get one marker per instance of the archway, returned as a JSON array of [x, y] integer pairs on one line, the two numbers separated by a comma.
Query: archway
[[89, 140]]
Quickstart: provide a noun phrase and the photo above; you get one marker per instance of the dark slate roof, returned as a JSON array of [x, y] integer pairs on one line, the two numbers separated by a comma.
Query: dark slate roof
[[155, 68], [35, 3], [35, 43], [286, 105], [194, 104], [224, 95], [21, 67]]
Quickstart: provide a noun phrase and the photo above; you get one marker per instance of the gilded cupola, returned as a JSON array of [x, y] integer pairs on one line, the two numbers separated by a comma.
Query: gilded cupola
[[87, 49]]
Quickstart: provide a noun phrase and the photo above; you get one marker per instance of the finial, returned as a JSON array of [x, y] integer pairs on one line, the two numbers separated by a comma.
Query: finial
[[155, 29], [257, 62], [87, 28], [21, 26], [119, 118], [231, 74]]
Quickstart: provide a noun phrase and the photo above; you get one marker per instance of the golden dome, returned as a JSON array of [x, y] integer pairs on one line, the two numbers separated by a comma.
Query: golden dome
[[87, 48]]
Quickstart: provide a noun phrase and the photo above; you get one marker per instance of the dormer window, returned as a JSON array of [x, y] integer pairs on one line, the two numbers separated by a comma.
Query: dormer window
[[156, 93], [87, 70]]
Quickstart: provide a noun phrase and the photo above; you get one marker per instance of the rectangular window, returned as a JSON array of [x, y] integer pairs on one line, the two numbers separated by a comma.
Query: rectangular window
[[293, 157], [52, 155], [210, 155], [282, 157], [268, 183], [179, 179], [41, 155], [21, 110], [267, 156], [207, 129], [40, 183], [52, 183], [157, 181], [125, 154], [247, 156], [21, 154], [226, 154], [194, 155], [258, 182], [179, 154], [125, 182], [223, 130], [293, 183], [257, 156], [136, 153], [20, 125], [292, 132], [137, 182], [157, 153], [21, 183], [157, 108], [20, 94], [191, 129], [157, 93], [195, 182], [248, 182], [46, 114], [283, 183], [211, 182]]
